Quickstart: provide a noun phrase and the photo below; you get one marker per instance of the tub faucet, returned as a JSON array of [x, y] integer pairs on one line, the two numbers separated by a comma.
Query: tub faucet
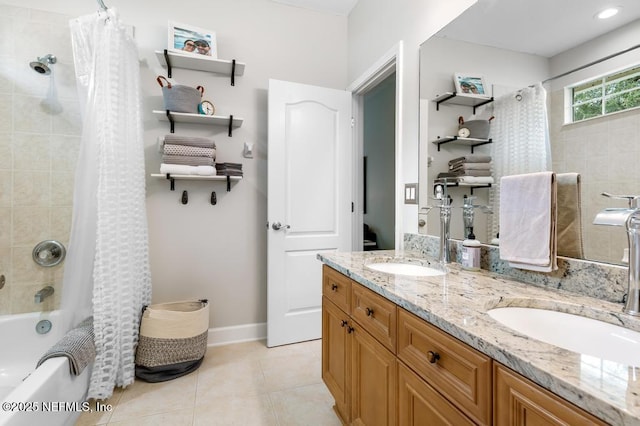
[[43, 294], [630, 219]]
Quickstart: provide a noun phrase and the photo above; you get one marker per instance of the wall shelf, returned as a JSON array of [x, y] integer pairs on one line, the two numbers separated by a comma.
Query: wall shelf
[[171, 178], [171, 60], [471, 186], [462, 99], [472, 142], [184, 117]]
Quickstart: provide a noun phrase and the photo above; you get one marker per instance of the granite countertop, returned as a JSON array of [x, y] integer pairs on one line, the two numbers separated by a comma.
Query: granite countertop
[[458, 302]]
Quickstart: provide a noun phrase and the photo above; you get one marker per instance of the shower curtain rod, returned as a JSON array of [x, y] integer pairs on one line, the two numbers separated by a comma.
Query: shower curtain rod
[[597, 61]]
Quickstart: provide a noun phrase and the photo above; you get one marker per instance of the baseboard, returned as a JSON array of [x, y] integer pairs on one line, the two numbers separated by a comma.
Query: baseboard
[[236, 334]]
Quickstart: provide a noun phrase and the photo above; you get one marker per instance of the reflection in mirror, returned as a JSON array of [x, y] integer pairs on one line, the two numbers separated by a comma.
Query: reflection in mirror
[[484, 43]]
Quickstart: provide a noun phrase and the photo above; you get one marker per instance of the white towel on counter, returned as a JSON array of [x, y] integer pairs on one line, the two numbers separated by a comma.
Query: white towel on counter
[[179, 169], [528, 217]]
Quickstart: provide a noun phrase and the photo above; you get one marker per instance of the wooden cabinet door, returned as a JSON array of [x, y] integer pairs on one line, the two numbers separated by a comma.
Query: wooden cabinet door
[[520, 402], [336, 356], [419, 404], [374, 381]]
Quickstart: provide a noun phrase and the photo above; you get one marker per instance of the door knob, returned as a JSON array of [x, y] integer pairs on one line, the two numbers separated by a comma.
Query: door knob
[[276, 226]]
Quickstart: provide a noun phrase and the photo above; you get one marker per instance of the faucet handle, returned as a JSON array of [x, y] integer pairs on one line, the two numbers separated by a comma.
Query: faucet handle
[[633, 200]]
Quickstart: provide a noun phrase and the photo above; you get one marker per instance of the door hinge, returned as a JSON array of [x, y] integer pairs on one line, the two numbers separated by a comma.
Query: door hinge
[[352, 207], [353, 122]]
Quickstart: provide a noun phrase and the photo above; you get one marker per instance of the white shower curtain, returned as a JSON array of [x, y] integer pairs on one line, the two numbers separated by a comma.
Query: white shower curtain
[[108, 262], [520, 134]]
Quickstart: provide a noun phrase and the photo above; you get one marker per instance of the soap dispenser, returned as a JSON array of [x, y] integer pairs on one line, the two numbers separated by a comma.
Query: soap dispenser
[[471, 253]]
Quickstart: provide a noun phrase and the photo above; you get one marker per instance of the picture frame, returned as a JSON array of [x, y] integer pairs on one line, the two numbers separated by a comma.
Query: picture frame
[[189, 40], [470, 84]]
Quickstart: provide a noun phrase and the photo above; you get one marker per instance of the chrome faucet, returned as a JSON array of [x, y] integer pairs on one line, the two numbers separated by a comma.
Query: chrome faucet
[[43, 294], [630, 219], [440, 194]]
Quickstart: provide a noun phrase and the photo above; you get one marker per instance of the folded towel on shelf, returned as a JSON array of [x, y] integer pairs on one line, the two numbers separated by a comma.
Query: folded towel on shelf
[[473, 158], [198, 141], [187, 161], [77, 345], [470, 166], [178, 169], [528, 218], [477, 180], [569, 216], [188, 151], [229, 169]]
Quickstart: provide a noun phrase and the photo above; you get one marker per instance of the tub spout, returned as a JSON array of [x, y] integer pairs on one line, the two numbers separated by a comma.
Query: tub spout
[[43, 294]]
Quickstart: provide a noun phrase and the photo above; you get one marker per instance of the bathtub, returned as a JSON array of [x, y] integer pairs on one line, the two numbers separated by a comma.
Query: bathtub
[[48, 395]]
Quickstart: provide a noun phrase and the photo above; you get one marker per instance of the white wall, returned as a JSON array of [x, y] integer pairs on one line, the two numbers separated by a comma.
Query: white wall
[[376, 26], [219, 252]]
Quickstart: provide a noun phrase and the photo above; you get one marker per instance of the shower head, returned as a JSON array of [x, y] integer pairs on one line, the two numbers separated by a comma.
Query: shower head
[[42, 64]]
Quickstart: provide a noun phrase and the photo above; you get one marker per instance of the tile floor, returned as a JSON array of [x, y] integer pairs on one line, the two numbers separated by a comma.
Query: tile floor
[[239, 384]]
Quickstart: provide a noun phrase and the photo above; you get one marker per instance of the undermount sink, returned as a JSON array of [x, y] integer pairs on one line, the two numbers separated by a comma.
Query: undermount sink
[[409, 269], [573, 332]]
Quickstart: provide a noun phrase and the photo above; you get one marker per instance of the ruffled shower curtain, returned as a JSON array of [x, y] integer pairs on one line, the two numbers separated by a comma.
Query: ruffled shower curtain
[[520, 134], [107, 272]]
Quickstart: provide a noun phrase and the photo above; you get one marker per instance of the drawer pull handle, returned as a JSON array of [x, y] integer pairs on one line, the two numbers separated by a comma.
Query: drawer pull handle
[[369, 312], [343, 323], [350, 330], [433, 357], [334, 287]]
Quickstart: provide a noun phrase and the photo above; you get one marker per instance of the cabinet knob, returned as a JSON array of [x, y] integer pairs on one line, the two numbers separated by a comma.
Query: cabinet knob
[[334, 287], [343, 323], [433, 357], [369, 312], [350, 329]]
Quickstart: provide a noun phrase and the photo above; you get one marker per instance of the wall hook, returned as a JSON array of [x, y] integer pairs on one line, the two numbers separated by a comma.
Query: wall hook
[[185, 197], [214, 198]]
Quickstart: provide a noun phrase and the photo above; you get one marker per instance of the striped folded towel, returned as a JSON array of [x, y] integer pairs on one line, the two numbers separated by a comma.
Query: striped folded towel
[[198, 141], [187, 161], [189, 151]]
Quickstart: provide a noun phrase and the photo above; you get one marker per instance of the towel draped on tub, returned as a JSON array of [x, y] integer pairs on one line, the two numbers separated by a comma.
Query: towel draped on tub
[[77, 345]]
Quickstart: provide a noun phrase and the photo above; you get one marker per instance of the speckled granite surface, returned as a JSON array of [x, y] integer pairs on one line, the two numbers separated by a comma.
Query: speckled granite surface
[[457, 303]]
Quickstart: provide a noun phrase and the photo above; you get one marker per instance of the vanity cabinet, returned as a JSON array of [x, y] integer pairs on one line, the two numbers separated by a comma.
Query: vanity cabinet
[[461, 374], [386, 366], [519, 402], [359, 370]]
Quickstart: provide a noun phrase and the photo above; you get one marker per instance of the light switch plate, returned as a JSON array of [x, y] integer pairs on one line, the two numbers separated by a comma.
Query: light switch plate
[[411, 193]]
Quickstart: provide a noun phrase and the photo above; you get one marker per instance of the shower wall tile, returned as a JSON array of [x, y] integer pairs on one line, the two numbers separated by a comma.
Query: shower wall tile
[[68, 122], [6, 113], [64, 153], [6, 188], [30, 225], [38, 151], [31, 151], [62, 188], [31, 189], [29, 117], [6, 151]]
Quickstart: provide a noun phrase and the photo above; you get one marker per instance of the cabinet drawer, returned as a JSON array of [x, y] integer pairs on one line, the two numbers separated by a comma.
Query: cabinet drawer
[[375, 314], [419, 404], [459, 372], [336, 287], [519, 402]]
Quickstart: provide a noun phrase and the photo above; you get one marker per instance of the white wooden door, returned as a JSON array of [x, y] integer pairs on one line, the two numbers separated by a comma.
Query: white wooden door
[[309, 202]]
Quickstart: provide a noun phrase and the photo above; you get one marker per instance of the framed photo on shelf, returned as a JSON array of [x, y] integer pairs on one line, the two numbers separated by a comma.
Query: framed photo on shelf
[[190, 40], [470, 84]]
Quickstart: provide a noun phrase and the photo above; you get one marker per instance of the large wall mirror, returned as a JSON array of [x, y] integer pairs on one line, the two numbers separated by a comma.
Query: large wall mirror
[[515, 47]]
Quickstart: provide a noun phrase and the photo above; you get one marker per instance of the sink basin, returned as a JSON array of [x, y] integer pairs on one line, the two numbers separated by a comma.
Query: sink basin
[[573, 332], [409, 269]]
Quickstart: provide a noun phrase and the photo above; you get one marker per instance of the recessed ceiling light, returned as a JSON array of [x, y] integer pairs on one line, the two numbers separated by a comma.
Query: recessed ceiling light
[[608, 13]]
